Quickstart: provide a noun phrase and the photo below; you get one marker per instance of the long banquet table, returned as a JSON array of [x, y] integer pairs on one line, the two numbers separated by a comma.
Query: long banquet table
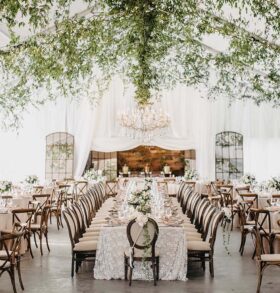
[[113, 242]]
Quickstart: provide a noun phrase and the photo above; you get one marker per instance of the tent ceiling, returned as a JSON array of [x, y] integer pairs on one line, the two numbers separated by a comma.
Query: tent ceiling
[[215, 41]]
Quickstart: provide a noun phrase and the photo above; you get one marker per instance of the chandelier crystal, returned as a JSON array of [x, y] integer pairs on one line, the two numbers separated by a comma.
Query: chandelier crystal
[[144, 122]]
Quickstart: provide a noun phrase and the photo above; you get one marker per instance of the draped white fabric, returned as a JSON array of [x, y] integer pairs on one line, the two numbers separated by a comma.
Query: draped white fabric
[[194, 123]]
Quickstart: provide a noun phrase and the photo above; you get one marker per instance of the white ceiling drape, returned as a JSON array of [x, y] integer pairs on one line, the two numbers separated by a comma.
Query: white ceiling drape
[[194, 123]]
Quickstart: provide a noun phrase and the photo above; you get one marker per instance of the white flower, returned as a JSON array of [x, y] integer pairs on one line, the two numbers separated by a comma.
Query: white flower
[[92, 175], [248, 178], [141, 219], [191, 174]]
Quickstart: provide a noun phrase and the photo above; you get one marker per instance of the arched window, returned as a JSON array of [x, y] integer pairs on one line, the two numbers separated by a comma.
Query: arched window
[[59, 156], [229, 155]]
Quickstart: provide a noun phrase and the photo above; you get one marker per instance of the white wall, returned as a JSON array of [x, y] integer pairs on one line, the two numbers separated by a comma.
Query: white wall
[[195, 121]]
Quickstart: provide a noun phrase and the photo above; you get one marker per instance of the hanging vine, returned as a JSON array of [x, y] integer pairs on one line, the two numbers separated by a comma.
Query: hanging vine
[[153, 44]]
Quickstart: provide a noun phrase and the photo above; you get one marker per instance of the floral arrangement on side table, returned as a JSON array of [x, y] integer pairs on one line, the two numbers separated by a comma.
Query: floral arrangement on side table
[[5, 186], [248, 179], [274, 183], [191, 174], [31, 180], [93, 175]]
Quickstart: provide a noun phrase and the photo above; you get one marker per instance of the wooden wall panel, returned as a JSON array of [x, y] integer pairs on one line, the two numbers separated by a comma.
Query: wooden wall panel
[[155, 157]]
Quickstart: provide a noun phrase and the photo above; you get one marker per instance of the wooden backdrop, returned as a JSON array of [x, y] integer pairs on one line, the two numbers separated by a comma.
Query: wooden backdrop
[[154, 156]]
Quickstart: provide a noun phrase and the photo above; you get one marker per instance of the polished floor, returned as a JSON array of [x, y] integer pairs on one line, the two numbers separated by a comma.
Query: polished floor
[[50, 273]]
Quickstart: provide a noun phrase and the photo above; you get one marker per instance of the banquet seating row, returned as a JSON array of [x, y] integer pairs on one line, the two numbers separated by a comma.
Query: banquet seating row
[[84, 219], [201, 224]]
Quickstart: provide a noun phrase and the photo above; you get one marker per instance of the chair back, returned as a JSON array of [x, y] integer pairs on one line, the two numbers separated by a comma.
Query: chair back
[[11, 243], [262, 220], [217, 218], [258, 243], [111, 188], [143, 237], [81, 188], [71, 226], [21, 216]]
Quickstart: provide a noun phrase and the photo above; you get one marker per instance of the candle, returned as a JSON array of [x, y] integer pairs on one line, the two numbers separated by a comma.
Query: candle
[[166, 169], [125, 169]]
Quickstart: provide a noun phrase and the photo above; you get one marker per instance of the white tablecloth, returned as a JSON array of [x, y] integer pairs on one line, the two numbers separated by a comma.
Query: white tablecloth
[[6, 221], [113, 242]]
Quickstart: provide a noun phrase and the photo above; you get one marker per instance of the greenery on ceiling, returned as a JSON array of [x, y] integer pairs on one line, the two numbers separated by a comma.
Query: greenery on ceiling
[[153, 44]]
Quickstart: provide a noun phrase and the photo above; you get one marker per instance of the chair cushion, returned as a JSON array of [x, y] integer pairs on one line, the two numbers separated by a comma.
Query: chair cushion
[[198, 245], [140, 253], [85, 246], [89, 238], [270, 257]]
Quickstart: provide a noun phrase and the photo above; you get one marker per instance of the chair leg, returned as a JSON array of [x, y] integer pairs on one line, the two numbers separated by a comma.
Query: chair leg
[[130, 275], [19, 274], [61, 222], [12, 276], [47, 240], [77, 266], [125, 268], [41, 244], [211, 265], [35, 241], [57, 221], [157, 261], [72, 265], [154, 273], [259, 268], [29, 246], [203, 262], [243, 244]]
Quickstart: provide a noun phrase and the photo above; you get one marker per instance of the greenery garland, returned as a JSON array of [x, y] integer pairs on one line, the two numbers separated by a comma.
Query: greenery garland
[[153, 44]]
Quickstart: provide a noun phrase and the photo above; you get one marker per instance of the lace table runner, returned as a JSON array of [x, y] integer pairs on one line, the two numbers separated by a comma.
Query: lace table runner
[[113, 241]]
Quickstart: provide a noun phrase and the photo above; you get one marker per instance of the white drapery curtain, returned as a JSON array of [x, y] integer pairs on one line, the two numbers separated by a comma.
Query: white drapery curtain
[[194, 124]]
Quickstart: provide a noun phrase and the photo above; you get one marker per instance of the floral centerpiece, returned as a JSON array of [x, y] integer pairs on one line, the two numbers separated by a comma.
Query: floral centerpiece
[[274, 183], [141, 199], [248, 179], [32, 179], [191, 174], [93, 175], [5, 186]]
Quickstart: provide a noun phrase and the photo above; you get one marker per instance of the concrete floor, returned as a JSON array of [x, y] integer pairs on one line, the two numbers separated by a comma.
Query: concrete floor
[[51, 273]]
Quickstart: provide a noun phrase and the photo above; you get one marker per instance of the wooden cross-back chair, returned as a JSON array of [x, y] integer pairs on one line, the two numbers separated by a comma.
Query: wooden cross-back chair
[[56, 209], [111, 188], [80, 188], [22, 216], [10, 245], [263, 220], [40, 225], [263, 259]]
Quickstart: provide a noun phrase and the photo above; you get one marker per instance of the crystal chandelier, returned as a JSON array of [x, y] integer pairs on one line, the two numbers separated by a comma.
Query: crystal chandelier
[[144, 122]]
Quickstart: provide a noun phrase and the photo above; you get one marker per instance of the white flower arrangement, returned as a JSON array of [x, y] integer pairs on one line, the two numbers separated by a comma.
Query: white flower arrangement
[[93, 175], [5, 186], [141, 200], [191, 174], [248, 179], [32, 179], [274, 183]]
